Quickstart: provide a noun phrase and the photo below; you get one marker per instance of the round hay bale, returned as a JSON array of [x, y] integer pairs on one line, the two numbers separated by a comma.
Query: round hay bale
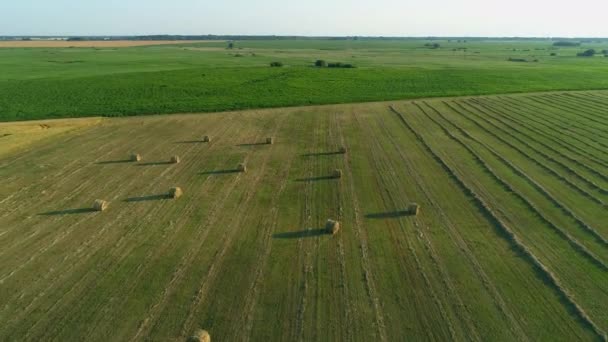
[[343, 150], [200, 336], [175, 160], [332, 227], [270, 140], [413, 209], [337, 173], [135, 157], [100, 205], [176, 192], [206, 138], [242, 168]]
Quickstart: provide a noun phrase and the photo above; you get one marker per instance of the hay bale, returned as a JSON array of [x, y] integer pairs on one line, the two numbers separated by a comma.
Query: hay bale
[[343, 150], [135, 157], [413, 209], [175, 160], [200, 336], [270, 140], [206, 138], [241, 168], [100, 205], [176, 192], [337, 173], [332, 227]]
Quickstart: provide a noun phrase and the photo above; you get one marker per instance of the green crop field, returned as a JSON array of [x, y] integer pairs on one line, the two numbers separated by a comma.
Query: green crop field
[[46, 82], [511, 242]]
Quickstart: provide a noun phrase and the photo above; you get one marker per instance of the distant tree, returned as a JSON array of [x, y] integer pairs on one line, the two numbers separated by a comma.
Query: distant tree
[[566, 43], [276, 64], [587, 53], [432, 45], [320, 63], [553, 54], [230, 45], [340, 65]]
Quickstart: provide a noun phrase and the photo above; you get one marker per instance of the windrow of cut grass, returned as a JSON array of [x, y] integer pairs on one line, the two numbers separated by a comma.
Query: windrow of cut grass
[[590, 235], [583, 108], [561, 129], [504, 229], [538, 126], [546, 242], [541, 159], [560, 187], [566, 116]]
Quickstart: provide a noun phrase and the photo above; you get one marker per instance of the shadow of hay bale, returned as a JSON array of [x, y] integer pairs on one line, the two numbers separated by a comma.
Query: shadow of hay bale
[[69, 212], [123, 161], [302, 234], [147, 198], [220, 172], [319, 154], [388, 215], [315, 179], [155, 163]]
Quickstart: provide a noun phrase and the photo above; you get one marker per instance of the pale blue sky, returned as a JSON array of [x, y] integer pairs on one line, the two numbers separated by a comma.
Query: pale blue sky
[[309, 17]]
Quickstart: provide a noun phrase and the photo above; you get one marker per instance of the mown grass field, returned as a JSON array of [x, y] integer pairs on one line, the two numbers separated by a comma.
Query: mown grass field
[[510, 243], [41, 83]]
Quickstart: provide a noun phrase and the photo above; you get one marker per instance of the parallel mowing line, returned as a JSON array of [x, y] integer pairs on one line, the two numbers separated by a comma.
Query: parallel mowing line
[[567, 211], [181, 270], [529, 114], [62, 175], [148, 262], [152, 256], [118, 247], [562, 232], [593, 98], [504, 114], [250, 300], [65, 234], [215, 267], [74, 193], [340, 218], [564, 130], [66, 172], [384, 183], [575, 150], [592, 111], [447, 280], [303, 254], [582, 191], [525, 143], [583, 110], [570, 120], [368, 275], [499, 223], [463, 246], [269, 224]]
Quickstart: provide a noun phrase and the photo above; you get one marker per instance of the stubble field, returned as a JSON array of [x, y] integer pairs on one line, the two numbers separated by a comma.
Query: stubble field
[[510, 243]]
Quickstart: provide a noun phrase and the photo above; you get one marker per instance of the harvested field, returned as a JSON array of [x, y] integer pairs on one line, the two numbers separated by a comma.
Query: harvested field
[[97, 44], [510, 241]]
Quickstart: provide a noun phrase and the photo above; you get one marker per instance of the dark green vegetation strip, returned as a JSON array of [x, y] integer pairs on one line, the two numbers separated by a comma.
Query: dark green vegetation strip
[[52, 83]]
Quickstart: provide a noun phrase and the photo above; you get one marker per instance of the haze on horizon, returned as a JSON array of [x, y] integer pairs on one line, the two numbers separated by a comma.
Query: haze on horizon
[[487, 18]]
